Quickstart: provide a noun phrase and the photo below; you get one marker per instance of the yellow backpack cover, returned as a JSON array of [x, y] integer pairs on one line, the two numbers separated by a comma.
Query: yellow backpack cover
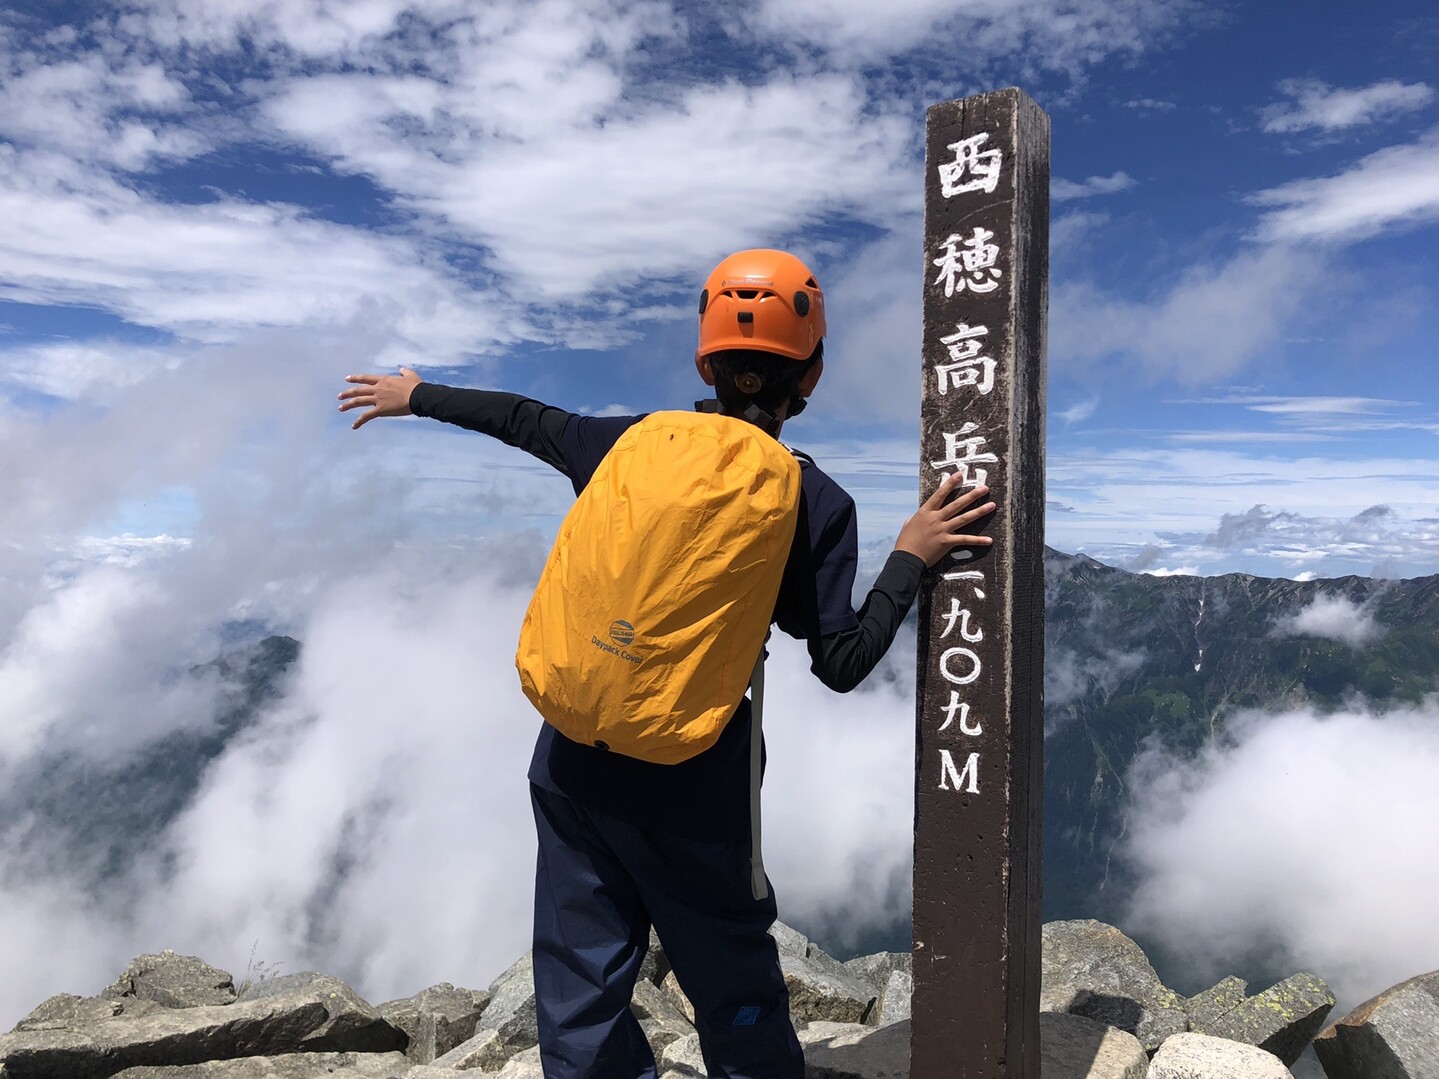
[[653, 606]]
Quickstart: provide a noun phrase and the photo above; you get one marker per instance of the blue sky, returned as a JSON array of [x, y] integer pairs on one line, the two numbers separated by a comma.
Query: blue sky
[[213, 210], [528, 196]]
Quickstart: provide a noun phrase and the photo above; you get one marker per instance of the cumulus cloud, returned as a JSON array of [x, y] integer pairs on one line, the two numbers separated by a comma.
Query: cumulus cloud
[[1333, 617], [213, 270], [1315, 105], [1293, 839], [1388, 189], [1127, 500], [385, 789], [375, 822]]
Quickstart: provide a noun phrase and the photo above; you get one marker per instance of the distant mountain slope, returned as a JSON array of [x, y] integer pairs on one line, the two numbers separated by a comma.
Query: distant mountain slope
[[88, 818], [1129, 656]]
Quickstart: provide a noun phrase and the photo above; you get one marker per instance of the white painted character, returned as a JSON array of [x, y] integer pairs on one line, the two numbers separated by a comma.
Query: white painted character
[[969, 263], [972, 169], [948, 773], [967, 367], [959, 614], [961, 452], [959, 708], [971, 660]]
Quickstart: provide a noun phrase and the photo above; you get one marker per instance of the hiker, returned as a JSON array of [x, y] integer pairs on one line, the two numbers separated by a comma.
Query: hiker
[[625, 843]]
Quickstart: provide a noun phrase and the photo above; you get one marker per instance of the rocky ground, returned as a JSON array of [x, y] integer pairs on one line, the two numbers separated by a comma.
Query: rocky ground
[[1104, 1015]]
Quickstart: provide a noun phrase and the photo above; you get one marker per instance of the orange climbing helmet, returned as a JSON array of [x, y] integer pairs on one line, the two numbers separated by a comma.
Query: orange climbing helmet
[[761, 299]]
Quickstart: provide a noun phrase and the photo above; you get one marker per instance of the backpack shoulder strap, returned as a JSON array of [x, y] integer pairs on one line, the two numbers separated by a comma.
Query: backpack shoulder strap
[[804, 459]]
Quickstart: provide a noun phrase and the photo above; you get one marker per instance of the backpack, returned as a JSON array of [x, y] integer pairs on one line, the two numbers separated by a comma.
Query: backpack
[[653, 607]]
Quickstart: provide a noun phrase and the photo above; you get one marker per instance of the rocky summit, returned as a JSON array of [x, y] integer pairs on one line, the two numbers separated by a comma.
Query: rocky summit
[[1104, 1015]]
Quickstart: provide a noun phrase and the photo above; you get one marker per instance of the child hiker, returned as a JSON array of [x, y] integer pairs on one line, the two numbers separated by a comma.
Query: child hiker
[[625, 843]]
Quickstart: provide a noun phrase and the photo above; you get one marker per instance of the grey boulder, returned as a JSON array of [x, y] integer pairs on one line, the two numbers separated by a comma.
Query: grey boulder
[[890, 975], [1073, 1047], [437, 1019], [1281, 1020], [65, 1011], [508, 1025], [1209, 1006], [670, 986], [525, 1065], [1201, 1056], [660, 1019], [1094, 970], [284, 1066], [1392, 1036], [682, 1055], [789, 940], [302, 1013], [855, 1051], [176, 981], [822, 990]]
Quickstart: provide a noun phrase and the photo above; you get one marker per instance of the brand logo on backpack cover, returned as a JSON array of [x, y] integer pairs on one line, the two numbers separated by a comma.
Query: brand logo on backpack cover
[[622, 633]]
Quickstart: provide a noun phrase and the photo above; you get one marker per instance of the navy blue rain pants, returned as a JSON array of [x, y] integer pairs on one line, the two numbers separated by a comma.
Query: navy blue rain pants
[[600, 884]]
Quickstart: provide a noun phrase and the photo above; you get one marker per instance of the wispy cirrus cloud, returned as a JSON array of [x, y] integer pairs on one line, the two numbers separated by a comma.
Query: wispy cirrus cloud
[[1388, 189], [1315, 105], [1056, 35]]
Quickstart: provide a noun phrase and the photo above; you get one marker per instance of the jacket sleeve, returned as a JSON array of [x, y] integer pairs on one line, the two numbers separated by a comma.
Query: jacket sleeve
[[517, 421], [843, 660]]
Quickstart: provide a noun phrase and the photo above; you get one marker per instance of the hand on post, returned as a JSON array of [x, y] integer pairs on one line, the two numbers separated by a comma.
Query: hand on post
[[382, 395], [936, 529]]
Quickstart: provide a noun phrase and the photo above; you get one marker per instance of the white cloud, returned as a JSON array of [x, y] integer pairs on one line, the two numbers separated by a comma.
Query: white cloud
[[116, 110], [1315, 104], [1150, 104], [1123, 499], [1391, 188], [1312, 405], [1080, 412], [1333, 617], [1061, 190], [589, 197], [1294, 838], [873, 303], [214, 270], [72, 369], [1055, 35], [387, 791], [1208, 324], [1069, 676]]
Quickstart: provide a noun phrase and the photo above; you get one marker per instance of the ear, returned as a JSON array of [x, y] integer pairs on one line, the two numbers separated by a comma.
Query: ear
[[702, 365], [811, 378]]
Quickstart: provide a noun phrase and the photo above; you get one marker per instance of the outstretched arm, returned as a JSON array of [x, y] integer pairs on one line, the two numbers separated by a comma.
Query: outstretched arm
[[532, 426], [843, 660]]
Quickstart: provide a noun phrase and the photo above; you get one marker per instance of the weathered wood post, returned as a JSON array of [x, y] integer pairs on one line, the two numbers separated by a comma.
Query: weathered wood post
[[979, 711]]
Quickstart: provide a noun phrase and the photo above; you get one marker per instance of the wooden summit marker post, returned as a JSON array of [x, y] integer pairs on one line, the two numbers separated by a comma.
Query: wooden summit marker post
[[979, 698]]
